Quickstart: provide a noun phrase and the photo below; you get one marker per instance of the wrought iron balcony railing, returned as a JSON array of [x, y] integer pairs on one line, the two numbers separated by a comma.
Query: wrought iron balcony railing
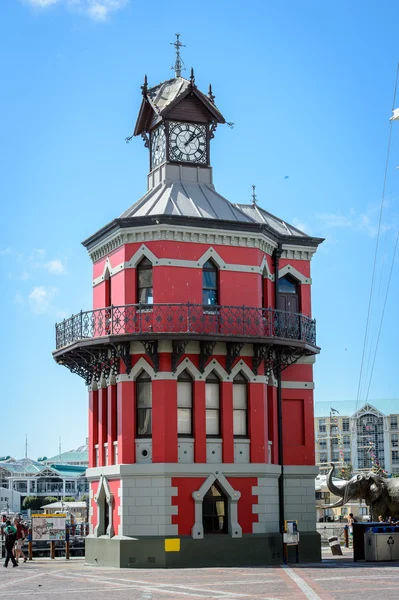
[[186, 319]]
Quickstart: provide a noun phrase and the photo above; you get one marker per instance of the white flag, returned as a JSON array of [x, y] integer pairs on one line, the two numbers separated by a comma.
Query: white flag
[[395, 115]]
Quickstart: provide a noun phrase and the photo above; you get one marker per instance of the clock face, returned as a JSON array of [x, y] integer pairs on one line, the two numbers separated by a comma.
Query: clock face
[[187, 142], [158, 147]]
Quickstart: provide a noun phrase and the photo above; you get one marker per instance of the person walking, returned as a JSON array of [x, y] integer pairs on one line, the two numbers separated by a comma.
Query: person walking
[[10, 535], [20, 540]]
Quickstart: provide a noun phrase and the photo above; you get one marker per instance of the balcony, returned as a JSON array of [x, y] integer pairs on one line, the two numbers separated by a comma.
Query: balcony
[[179, 321]]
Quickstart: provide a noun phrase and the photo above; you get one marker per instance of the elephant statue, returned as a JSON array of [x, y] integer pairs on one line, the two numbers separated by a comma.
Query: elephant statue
[[379, 493]]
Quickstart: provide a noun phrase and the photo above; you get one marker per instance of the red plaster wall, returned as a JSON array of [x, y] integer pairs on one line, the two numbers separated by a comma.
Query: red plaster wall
[[185, 503], [245, 516], [298, 373], [114, 486], [298, 427], [184, 500]]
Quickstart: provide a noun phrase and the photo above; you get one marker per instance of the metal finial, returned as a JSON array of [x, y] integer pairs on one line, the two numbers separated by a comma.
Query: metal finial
[[178, 65], [192, 76], [210, 94], [254, 199], [144, 87]]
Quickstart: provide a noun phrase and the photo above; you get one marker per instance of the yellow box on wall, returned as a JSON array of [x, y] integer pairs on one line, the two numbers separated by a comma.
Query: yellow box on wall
[[172, 545]]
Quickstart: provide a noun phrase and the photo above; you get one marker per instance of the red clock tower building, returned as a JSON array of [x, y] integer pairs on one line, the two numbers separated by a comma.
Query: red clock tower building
[[198, 354]]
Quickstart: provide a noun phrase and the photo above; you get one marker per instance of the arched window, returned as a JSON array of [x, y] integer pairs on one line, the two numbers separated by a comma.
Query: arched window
[[212, 405], [214, 511], [143, 405], [288, 297], [144, 282], [108, 295], [240, 406], [184, 405], [210, 296]]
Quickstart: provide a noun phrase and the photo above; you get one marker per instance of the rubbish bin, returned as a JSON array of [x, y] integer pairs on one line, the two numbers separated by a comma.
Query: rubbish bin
[[381, 546]]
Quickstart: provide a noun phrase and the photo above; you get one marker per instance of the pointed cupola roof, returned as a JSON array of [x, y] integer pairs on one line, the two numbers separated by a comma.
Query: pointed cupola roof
[[172, 99]]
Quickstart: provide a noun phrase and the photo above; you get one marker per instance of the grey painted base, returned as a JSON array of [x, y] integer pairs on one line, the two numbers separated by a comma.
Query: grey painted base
[[212, 551]]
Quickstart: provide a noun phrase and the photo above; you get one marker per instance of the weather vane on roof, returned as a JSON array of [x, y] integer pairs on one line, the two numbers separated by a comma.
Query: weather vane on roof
[[178, 65], [254, 199]]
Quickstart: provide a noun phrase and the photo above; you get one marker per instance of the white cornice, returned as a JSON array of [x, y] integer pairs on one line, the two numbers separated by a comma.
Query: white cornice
[[196, 235]]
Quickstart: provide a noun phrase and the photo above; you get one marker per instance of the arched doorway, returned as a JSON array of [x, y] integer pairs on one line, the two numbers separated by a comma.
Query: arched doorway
[[214, 511], [288, 294]]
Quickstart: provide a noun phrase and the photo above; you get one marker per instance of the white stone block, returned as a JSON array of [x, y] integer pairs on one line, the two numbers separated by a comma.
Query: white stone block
[[168, 510], [161, 501], [161, 520], [143, 482]]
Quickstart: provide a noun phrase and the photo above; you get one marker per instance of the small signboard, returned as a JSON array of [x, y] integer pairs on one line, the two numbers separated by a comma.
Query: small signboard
[[48, 527], [291, 534]]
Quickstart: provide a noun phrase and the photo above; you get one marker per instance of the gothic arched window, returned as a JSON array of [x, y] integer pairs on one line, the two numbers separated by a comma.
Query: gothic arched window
[[143, 405], [212, 405], [210, 295], [184, 404], [214, 511], [240, 406], [144, 282]]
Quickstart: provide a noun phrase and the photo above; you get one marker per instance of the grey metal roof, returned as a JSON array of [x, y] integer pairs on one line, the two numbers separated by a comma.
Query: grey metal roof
[[262, 216], [163, 94], [186, 199]]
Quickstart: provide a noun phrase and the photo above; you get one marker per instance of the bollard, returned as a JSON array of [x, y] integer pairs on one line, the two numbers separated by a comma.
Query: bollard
[[335, 546], [30, 545], [52, 549], [346, 536]]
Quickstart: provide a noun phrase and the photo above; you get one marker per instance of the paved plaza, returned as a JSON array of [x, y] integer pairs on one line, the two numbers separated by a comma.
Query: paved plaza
[[331, 580]]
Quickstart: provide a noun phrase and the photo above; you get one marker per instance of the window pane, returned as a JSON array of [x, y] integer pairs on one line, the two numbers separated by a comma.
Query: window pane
[[286, 286], [184, 420], [145, 296], [240, 422], [212, 422], [209, 279], [144, 421], [143, 394], [212, 395], [239, 396], [184, 394], [209, 297], [145, 278]]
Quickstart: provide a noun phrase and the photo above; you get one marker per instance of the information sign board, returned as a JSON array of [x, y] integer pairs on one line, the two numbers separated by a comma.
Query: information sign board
[[48, 527]]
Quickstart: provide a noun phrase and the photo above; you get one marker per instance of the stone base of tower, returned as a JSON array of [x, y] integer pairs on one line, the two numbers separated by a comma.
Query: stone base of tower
[[212, 551]]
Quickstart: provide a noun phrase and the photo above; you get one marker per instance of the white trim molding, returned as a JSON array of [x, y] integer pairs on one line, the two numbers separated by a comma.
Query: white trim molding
[[233, 496], [290, 270], [104, 494]]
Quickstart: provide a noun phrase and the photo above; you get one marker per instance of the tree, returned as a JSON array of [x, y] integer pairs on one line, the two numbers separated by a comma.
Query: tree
[[69, 499], [346, 471], [32, 503], [49, 500]]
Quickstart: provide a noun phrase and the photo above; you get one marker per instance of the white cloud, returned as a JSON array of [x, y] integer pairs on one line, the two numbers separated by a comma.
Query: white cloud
[[19, 299], [25, 276], [332, 220], [55, 267], [40, 299], [98, 10], [5, 251], [41, 3], [301, 225]]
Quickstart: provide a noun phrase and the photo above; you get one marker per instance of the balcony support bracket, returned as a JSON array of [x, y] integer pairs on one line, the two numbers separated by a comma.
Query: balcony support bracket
[[233, 350], [151, 349], [285, 357], [178, 348], [206, 351], [262, 352]]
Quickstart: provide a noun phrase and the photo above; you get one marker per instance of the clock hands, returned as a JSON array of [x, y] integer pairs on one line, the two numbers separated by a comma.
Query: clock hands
[[190, 139]]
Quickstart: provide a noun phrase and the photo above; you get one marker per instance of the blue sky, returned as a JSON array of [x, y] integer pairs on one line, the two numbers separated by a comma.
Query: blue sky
[[309, 86]]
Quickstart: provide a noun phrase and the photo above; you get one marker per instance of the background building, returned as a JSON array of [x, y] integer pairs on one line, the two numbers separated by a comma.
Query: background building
[[199, 357], [32, 478], [366, 439]]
